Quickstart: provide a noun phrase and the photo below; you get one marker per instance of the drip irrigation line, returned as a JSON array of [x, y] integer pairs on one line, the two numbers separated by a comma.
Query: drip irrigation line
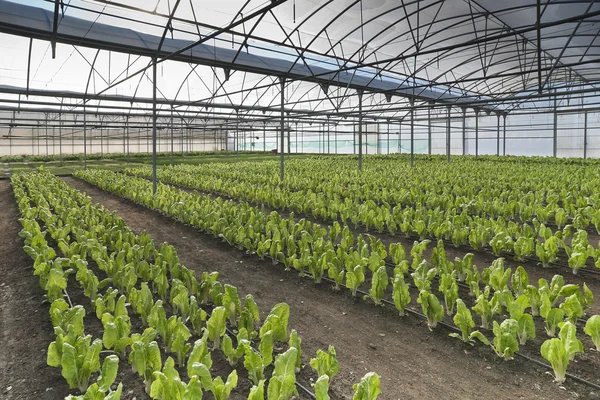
[[457, 330], [408, 310]]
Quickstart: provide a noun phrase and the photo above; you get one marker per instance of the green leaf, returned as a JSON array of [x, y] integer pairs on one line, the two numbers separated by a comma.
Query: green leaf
[[592, 329], [368, 388], [110, 367], [322, 388], [216, 326]]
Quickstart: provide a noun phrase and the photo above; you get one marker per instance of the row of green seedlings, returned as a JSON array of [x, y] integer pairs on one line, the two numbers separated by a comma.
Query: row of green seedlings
[[119, 323], [231, 302], [545, 208], [344, 261], [520, 240], [77, 352]]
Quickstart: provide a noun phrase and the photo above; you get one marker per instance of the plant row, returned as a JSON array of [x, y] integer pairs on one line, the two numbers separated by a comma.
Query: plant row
[[349, 260], [205, 309], [519, 239]]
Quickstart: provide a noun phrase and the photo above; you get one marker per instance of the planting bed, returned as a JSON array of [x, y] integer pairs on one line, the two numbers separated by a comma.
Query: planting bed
[[412, 362]]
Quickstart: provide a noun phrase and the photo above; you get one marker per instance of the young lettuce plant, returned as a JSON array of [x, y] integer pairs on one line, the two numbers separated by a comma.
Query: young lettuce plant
[[449, 288], [553, 317], [102, 388], [145, 357], [486, 308], [254, 364], [464, 321], [325, 363], [572, 308], [431, 308], [216, 326], [423, 275], [400, 293], [249, 316], [379, 284], [282, 384], [505, 342], [277, 322], [463, 266], [200, 354], [336, 271], [78, 361], [368, 388], [560, 351], [592, 329], [322, 388], [525, 322], [519, 281]]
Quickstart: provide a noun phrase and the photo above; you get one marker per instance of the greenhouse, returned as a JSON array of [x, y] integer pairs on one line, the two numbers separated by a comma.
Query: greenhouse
[[300, 199]]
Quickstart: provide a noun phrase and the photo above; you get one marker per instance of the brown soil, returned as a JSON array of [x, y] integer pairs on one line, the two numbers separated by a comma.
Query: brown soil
[[413, 363], [24, 321]]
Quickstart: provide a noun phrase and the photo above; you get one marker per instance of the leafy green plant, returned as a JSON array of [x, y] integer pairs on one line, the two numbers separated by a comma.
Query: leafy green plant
[[505, 342], [282, 385], [464, 321], [449, 289], [216, 326], [145, 357], [277, 322], [431, 308], [101, 389], [560, 351], [592, 329], [368, 388], [379, 284], [400, 293], [325, 363], [78, 360]]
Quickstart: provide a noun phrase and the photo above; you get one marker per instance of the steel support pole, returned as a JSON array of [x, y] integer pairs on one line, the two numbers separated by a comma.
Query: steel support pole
[[289, 137], [555, 132], [60, 139], [296, 143], [360, 117], [388, 136], [281, 156], [476, 134], [400, 137], [328, 137], [498, 138], [448, 134], [412, 135], [464, 132], [172, 139], [84, 138], [429, 130], [154, 126], [504, 136], [585, 134], [46, 135], [335, 137], [264, 136]]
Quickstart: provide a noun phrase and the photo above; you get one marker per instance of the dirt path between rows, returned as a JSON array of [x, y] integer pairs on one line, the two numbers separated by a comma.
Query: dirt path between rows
[[413, 363], [25, 324]]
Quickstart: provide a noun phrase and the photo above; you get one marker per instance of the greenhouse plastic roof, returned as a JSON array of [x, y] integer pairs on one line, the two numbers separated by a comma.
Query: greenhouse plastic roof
[[37, 22]]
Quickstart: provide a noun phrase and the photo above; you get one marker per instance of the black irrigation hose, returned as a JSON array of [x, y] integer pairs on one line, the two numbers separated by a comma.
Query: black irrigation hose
[[456, 330], [300, 386], [410, 311]]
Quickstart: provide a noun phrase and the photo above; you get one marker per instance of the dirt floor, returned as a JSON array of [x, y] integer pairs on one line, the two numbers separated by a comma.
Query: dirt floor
[[24, 320], [413, 363]]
